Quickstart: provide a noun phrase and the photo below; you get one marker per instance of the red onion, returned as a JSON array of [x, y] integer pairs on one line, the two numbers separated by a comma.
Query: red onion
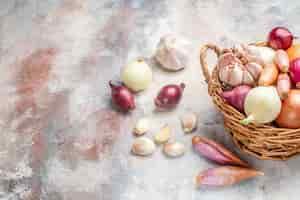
[[122, 97], [295, 71], [280, 38], [236, 96], [169, 96]]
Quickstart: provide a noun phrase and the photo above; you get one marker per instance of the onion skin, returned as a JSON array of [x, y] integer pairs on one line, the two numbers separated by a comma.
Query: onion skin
[[289, 116], [269, 75], [283, 85], [122, 97], [236, 96], [169, 96], [295, 71], [280, 38]]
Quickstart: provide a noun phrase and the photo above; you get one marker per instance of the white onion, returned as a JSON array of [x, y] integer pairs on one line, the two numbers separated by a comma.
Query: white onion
[[262, 105], [137, 75]]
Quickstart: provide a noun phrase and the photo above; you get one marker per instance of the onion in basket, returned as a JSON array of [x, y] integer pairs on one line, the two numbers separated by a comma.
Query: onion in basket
[[289, 116], [236, 96], [262, 105]]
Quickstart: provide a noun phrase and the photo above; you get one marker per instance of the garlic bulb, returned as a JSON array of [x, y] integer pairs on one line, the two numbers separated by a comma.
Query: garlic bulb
[[261, 55], [171, 53], [235, 74], [227, 58]]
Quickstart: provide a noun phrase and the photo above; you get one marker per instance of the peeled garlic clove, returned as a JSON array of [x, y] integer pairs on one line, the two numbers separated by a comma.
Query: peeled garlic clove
[[189, 122], [174, 149], [225, 176], [163, 135], [171, 53], [143, 146], [141, 126]]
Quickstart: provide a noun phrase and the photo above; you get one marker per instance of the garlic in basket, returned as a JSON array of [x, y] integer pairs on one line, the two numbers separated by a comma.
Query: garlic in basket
[[235, 74]]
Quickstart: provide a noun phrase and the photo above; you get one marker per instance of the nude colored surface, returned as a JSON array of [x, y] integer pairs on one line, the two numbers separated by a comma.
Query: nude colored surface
[[60, 138]]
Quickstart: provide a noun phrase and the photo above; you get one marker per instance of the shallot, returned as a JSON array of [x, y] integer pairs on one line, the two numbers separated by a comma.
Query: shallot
[[283, 85], [137, 75], [295, 71], [280, 38], [169, 96], [236, 96], [216, 152], [281, 59], [122, 97], [289, 116], [225, 176], [262, 105]]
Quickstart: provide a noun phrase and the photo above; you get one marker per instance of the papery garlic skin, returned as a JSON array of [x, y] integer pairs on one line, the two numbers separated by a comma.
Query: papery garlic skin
[[171, 53], [282, 60]]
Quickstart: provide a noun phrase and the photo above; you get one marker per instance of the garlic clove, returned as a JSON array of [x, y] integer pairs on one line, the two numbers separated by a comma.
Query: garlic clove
[[227, 59], [171, 53], [163, 135], [189, 122], [247, 78], [141, 126], [235, 75], [174, 149], [254, 69], [143, 146]]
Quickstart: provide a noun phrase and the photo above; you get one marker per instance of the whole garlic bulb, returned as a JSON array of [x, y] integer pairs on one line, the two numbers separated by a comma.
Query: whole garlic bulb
[[235, 74], [171, 53]]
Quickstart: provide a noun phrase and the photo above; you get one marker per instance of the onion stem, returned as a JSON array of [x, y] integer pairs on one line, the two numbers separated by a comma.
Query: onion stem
[[247, 120]]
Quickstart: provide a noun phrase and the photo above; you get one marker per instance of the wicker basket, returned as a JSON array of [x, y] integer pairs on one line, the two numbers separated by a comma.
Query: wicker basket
[[266, 142]]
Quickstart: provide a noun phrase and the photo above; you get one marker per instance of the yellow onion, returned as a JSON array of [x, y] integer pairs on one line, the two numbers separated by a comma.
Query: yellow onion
[[289, 116]]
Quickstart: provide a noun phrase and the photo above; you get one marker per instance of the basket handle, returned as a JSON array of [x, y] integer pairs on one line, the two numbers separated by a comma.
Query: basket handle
[[204, 65]]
